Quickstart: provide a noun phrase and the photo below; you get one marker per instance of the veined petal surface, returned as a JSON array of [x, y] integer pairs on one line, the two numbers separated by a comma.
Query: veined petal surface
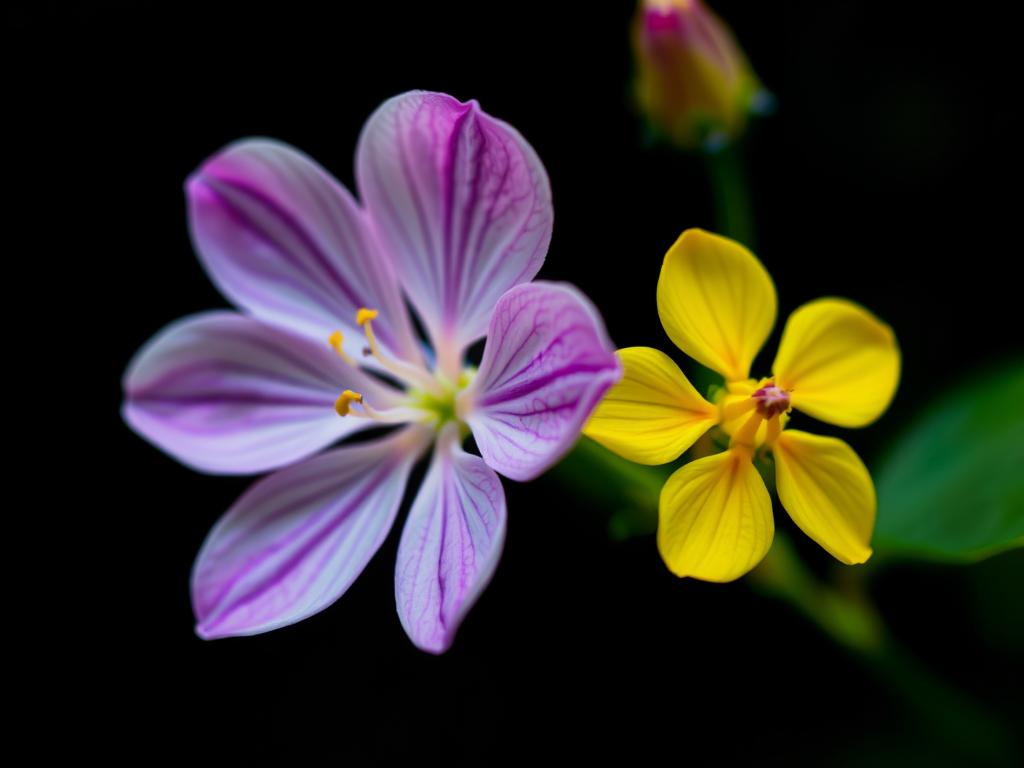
[[285, 241], [716, 301], [461, 203], [828, 492], [715, 518], [296, 540], [840, 361], [653, 414], [547, 363], [226, 393], [450, 545]]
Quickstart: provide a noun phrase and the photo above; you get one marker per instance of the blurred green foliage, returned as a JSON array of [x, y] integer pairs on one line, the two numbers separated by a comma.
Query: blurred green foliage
[[629, 492], [951, 487]]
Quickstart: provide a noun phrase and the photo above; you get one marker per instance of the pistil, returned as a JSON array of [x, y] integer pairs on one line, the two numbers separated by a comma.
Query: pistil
[[771, 400]]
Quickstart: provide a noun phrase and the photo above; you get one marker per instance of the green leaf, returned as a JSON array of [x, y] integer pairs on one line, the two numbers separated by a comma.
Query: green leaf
[[952, 486]]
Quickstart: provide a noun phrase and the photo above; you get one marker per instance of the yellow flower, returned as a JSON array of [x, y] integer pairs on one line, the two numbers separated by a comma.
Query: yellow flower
[[836, 362]]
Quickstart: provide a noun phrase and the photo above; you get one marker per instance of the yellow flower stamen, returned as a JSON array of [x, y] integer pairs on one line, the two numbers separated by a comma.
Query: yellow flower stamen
[[364, 315], [768, 406], [344, 402], [336, 339], [343, 406], [409, 374]]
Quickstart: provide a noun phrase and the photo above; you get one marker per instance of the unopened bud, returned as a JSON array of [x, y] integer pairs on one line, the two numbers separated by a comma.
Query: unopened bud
[[693, 83]]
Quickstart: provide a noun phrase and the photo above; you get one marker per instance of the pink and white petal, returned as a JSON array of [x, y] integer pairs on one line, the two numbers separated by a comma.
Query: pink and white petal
[[462, 204], [285, 241], [547, 364], [226, 393], [450, 545], [296, 540]]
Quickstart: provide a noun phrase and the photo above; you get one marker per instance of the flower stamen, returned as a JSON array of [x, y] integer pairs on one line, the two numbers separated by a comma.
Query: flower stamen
[[411, 375], [766, 404], [336, 339], [348, 398], [344, 402]]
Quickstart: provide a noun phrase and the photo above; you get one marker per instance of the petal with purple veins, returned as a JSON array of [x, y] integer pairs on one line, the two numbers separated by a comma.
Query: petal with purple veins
[[226, 393], [296, 540], [285, 241], [450, 546], [547, 363], [462, 204]]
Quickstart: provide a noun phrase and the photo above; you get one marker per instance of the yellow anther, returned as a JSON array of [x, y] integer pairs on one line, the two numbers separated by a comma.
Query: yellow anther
[[336, 340], [363, 318], [364, 315], [345, 400], [407, 373]]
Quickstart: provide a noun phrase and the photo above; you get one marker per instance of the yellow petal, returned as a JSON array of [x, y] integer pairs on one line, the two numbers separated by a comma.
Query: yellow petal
[[716, 301], [827, 491], [715, 518], [653, 414], [840, 362]]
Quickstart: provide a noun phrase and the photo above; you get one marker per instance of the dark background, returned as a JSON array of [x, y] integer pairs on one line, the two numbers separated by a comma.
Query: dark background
[[885, 176]]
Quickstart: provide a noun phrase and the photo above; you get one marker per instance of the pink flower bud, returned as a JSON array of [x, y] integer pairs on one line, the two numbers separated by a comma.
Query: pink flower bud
[[693, 83]]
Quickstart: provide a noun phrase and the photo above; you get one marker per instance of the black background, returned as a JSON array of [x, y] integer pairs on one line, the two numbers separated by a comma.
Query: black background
[[887, 175]]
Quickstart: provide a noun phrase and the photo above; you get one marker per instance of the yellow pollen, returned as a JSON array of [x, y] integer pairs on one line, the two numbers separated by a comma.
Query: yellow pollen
[[336, 340], [364, 318], [345, 400], [407, 373], [364, 315]]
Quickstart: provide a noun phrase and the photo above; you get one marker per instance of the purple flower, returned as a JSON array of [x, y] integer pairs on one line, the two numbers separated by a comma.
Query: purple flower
[[455, 218]]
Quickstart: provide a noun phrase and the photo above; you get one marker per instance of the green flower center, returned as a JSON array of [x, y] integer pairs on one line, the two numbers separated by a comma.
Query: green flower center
[[441, 405]]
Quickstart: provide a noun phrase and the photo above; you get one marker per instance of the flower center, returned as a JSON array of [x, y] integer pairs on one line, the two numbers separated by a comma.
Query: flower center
[[440, 410], [766, 407], [431, 399], [771, 400]]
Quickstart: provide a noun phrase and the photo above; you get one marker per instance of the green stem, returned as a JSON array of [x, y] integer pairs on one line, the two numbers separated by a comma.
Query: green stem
[[734, 216], [842, 611], [845, 613]]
